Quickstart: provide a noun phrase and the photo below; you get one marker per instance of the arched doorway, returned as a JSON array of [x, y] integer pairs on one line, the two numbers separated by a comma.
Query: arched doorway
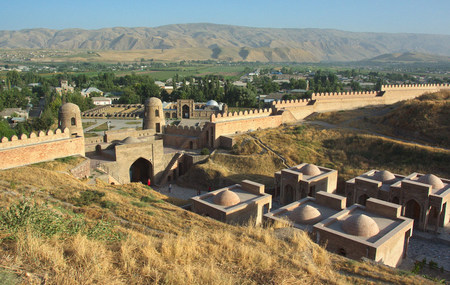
[[98, 149], [288, 194], [141, 170], [412, 210], [362, 199], [396, 200], [185, 112]]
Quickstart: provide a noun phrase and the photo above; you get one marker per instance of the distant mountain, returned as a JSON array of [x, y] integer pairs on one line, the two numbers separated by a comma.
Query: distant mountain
[[410, 57], [226, 42]]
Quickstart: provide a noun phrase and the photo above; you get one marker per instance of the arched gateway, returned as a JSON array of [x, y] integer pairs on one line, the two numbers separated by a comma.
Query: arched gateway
[[141, 170]]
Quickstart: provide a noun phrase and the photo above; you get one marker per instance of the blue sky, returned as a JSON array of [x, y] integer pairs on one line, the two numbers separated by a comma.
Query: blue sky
[[413, 16]]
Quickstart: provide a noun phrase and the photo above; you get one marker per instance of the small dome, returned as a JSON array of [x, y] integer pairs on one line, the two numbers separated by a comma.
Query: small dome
[[310, 169], [69, 107], [360, 225], [226, 198], [153, 101], [383, 176], [130, 140], [432, 180], [305, 215], [212, 103]]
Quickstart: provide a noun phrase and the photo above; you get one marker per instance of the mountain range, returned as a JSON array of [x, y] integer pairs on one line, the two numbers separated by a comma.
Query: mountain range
[[225, 42]]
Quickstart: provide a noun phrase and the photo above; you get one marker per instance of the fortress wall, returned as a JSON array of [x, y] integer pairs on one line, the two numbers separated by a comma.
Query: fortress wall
[[241, 115], [231, 127], [122, 134], [32, 150], [94, 140], [183, 130], [34, 138], [395, 93]]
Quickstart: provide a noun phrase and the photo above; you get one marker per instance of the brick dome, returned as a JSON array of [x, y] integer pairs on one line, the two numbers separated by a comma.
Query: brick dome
[[310, 169], [432, 180], [305, 215], [226, 198], [153, 101], [360, 225], [69, 107], [130, 140], [383, 176]]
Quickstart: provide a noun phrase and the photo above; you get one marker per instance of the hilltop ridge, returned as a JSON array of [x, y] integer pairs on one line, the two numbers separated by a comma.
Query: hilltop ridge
[[233, 43]]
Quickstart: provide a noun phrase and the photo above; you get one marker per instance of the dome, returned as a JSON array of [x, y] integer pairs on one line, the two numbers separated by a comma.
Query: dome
[[310, 169], [305, 215], [226, 198], [69, 107], [383, 176], [153, 101], [212, 103], [360, 225], [432, 180], [130, 140]]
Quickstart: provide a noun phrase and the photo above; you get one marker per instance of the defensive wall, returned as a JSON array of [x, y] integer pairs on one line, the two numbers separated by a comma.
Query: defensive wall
[[115, 135], [39, 147], [212, 134]]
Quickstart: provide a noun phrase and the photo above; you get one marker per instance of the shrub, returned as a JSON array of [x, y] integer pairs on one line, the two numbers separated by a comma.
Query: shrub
[[108, 204], [46, 222], [88, 197], [204, 151]]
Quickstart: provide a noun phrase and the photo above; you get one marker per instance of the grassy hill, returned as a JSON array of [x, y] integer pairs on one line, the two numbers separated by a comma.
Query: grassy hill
[[425, 119], [55, 229]]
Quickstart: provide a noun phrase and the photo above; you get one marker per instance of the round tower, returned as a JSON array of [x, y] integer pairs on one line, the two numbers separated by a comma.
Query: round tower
[[70, 117], [153, 115]]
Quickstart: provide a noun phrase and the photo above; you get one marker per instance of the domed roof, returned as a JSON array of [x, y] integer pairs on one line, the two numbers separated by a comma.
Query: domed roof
[[384, 176], [432, 180], [69, 107], [130, 140], [153, 101], [305, 215], [226, 198], [212, 103], [360, 225], [310, 169]]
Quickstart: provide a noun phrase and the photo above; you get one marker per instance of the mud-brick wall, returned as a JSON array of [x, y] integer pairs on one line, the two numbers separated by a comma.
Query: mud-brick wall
[[231, 127], [33, 153], [82, 170]]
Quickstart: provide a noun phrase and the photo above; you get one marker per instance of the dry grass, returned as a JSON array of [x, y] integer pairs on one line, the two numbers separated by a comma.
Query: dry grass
[[163, 243], [424, 119]]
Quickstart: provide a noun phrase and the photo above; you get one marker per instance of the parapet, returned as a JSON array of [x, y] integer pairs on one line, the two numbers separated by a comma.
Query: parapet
[[241, 115], [291, 103], [184, 130], [414, 86], [339, 95], [34, 138]]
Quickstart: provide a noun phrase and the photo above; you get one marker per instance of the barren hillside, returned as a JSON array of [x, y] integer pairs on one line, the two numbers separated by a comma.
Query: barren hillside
[[226, 42]]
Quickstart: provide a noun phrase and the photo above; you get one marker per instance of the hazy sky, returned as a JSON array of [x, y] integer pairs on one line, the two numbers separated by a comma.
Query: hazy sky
[[412, 16]]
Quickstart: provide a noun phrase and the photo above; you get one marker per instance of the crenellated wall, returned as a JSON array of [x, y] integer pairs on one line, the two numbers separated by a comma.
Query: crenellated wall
[[37, 148], [335, 101], [241, 115]]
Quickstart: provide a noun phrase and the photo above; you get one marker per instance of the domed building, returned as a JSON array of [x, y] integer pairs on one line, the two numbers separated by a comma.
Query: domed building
[[69, 116], [304, 180], [374, 183], [423, 197], [303, 214], [153, 115], [376, 231], [236, 204]]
